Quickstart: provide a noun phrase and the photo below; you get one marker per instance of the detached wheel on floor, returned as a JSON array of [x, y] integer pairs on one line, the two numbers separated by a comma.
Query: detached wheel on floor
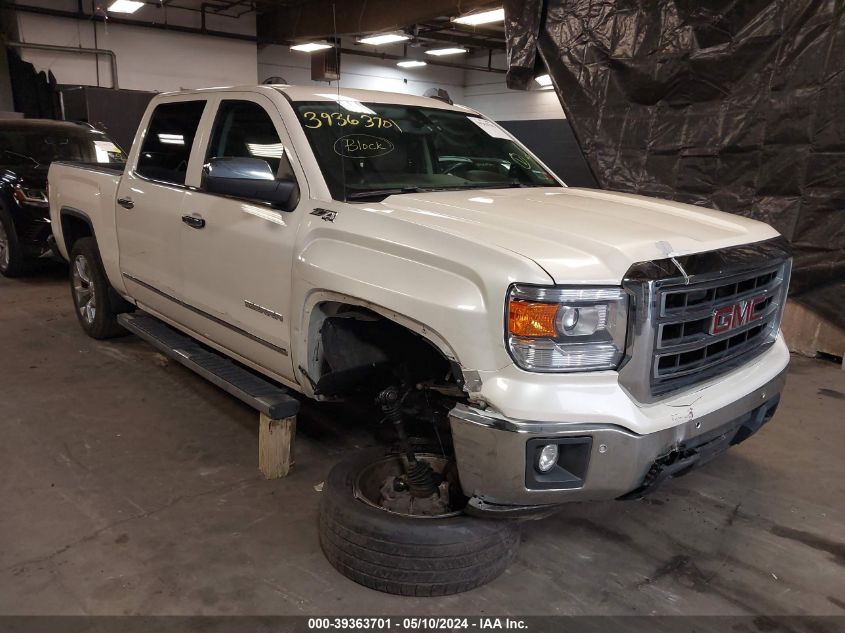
[[374, 534], [93, 298]]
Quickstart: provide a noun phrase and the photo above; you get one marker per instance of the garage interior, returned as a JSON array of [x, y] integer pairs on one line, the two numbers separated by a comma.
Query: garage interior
[[130, 484]]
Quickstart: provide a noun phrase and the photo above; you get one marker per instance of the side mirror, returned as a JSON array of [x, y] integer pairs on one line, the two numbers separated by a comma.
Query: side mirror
[[250, 178]]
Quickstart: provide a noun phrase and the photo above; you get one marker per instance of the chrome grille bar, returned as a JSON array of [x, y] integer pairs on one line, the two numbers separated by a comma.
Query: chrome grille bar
[[682, 334]]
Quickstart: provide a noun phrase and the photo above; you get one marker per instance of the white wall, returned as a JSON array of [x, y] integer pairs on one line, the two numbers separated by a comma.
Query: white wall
[[147, 59], [362, 72], [151, 59], [484, 91], [487, 93]]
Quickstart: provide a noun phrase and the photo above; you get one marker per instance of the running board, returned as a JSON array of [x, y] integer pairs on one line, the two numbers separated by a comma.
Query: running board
[[249, 387]]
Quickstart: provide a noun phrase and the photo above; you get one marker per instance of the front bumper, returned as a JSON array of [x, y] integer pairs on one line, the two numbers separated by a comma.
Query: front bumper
[[494, 453], [33, 227]]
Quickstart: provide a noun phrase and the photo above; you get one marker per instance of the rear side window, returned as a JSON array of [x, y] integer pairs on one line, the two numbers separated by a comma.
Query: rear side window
[[243, 129], [167, 147]]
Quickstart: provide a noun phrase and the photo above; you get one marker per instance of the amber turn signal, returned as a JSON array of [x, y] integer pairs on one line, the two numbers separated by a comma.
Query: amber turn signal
[[532, 319]]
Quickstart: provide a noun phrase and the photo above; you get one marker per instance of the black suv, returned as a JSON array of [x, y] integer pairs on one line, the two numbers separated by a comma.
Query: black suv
[[27, 147]]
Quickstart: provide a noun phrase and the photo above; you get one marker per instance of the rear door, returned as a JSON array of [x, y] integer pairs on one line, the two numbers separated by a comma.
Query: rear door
[[149, 199], [237, 264]]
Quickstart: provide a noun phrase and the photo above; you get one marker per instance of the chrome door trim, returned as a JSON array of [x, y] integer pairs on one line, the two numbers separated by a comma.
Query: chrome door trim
[[206, 315]]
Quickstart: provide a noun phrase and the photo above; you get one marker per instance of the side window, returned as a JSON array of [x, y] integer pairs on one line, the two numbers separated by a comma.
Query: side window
[[243, 129], [167, 146]]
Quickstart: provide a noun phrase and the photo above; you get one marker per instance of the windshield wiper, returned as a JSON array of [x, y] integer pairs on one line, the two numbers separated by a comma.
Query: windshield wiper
[[514, 184], [383, 193], [377, 193], [24, 156]]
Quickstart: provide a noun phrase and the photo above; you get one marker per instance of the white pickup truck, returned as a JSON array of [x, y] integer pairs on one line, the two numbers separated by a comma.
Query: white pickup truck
[[529, 344]]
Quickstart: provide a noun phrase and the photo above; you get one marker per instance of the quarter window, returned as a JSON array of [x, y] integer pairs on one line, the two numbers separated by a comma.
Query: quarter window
[[167, 146]]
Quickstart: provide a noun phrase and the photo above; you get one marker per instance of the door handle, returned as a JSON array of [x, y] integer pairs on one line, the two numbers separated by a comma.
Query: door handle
[[194, 221], [126, 203]]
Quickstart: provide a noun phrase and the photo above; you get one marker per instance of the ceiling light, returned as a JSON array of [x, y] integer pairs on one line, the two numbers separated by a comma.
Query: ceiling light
[[485, 17], [410, 63], [310, 47], [386, 38], [544, 80], [445, 51], [125, 6]]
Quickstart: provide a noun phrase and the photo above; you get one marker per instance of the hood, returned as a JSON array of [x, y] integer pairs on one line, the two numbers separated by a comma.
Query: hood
[[578, 235], [31, 175]]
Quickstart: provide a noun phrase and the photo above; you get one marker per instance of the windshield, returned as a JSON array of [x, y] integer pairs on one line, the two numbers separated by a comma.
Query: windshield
[[372, 150], [34, 146]]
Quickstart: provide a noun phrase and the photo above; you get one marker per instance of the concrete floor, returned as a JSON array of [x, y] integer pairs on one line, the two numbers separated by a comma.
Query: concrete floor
[[129, 486]]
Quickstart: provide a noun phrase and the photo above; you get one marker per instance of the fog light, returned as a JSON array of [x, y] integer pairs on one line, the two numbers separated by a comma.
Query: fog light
[[547, 458]]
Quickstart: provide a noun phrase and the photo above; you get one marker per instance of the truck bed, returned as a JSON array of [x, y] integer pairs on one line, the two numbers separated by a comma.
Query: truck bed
[[86, 192]]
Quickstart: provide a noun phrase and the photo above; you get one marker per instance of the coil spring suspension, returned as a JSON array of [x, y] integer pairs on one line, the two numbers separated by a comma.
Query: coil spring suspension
[[422, 481]]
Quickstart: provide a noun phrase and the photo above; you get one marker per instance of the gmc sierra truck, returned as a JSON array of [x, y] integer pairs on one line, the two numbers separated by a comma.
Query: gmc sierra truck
[[522, 344]]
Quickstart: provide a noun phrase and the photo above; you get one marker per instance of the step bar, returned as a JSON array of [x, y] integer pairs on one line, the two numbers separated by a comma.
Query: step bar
[[249, 387]]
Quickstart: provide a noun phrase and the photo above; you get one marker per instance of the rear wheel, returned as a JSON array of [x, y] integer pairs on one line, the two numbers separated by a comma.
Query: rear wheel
[[93, 298], [12, 260], [373, 534]]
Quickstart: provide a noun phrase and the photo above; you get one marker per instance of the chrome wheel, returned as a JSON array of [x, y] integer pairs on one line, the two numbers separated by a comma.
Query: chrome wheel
[[4, 247], [83, 290]]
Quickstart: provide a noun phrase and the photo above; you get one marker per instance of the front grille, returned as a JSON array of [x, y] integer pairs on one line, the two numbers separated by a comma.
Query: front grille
[[709, 327]]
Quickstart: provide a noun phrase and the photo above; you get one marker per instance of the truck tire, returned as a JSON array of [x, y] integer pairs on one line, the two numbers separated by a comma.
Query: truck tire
[[403, 555], [12, 260], [95, 302]]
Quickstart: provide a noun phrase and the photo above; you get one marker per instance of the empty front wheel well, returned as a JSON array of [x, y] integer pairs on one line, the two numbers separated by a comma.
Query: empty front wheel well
[[354, 350]]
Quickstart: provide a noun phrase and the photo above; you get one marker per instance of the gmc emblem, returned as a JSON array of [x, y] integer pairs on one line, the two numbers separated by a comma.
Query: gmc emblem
[[733, 316]]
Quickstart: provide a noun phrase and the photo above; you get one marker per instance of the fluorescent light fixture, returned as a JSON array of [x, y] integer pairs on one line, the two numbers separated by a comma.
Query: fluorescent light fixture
[[544, 80], [437, 52], [125, 6], [410, 63], [310, 47], [171, 139], [485, 17], [386, 38]]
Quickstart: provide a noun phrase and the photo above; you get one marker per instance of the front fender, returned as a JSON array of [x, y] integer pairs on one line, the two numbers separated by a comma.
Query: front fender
[[448, 290]]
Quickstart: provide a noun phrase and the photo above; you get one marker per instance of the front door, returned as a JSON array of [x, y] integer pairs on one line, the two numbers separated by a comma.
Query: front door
[[237, 255], [149, 200]]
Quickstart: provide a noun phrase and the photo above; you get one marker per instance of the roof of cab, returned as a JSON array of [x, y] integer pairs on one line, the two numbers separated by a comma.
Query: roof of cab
[[320, 93]]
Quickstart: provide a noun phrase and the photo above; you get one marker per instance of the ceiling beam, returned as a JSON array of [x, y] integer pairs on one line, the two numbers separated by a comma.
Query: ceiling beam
[[431, 62], [129, 22], [317, 19], [436, 33]]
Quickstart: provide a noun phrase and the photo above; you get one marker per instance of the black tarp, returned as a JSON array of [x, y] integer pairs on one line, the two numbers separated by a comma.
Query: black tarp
[[34, 93], [733, 104]]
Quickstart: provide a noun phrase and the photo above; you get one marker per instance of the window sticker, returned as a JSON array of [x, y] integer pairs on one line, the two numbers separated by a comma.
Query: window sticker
[[107, 152], [491, 128], [362, 146], [520, 159]]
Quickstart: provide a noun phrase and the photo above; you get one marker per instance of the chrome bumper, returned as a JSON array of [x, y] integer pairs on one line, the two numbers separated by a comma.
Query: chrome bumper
[[492, 452]]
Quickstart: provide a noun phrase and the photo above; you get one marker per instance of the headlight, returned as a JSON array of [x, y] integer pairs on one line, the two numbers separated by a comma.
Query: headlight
[[566, 329], [29, 195]]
